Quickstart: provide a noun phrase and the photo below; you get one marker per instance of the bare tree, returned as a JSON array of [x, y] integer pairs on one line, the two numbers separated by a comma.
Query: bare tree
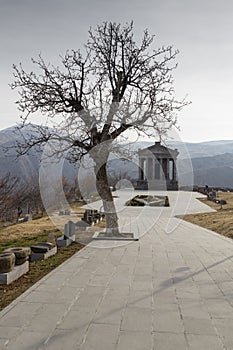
[[8, 189], [113, 85], [29, 195], [69, 190]]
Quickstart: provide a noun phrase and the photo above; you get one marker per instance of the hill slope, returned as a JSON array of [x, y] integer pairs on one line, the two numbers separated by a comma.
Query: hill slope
[[214, 171]]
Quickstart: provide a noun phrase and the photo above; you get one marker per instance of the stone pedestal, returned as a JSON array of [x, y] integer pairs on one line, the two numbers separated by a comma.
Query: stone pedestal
[[17, 272], [125, 236], [41, 256]]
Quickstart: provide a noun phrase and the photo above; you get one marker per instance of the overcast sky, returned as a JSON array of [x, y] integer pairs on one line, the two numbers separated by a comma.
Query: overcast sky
[[202, 30]]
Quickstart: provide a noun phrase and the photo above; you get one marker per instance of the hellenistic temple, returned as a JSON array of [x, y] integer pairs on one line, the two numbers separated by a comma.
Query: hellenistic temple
[[157, 168]]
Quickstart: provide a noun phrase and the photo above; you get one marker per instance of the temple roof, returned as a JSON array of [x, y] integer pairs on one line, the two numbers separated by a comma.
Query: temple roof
[[159, 149]]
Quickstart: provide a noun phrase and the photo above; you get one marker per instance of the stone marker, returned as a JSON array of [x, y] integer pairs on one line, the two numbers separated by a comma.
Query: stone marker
[[69, 229], [69, 235]]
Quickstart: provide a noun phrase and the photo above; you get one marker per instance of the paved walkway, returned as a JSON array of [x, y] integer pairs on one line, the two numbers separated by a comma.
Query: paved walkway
[[172, 289]]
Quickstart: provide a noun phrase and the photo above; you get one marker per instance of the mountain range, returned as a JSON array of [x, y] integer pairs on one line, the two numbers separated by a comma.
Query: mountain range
[[212, 161]]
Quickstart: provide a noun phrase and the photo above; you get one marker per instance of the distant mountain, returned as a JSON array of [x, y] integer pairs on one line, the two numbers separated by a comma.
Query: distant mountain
[[25, 166], [215, 171], [212, 161], [202, 149]]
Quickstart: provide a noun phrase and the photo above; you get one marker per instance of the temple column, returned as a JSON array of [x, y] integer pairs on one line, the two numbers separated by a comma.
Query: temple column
[[157, 169], [168, 169], [153, 169], [174, 171], [165, 167], [149, 168], [141, 168], [160, 168], [145, 168]]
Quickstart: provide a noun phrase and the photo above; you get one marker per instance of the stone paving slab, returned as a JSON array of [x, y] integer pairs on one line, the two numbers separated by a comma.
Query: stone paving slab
[[172, 289]]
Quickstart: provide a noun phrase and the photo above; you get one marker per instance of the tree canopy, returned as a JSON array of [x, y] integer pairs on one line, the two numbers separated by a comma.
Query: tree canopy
[[115, 83], [112, 85]]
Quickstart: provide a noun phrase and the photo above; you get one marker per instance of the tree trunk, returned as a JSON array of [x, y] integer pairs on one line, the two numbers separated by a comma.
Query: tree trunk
[[112, 228]]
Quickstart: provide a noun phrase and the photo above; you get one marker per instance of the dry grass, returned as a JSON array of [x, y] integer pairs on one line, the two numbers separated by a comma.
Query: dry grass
[[40, 226], [30, 228], [220, 221]]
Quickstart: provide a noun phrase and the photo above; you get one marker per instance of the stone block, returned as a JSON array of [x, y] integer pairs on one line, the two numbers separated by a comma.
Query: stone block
[[41, 256], [64, 242], [17, 272]]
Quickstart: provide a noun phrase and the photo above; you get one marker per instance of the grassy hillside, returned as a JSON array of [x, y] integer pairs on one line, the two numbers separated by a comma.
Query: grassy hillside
[[220, 221]]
